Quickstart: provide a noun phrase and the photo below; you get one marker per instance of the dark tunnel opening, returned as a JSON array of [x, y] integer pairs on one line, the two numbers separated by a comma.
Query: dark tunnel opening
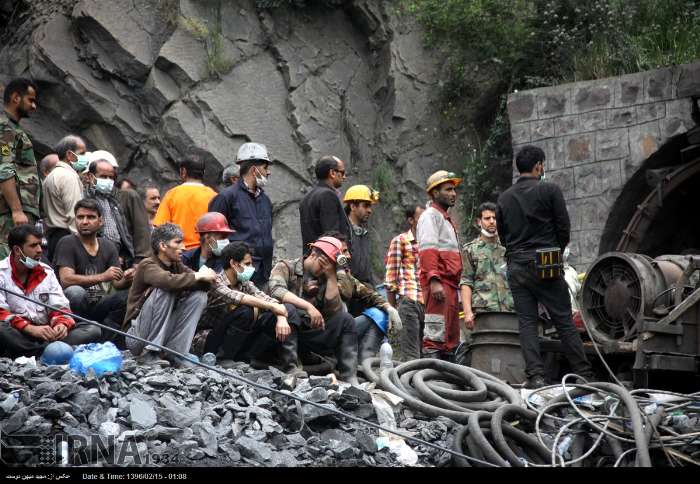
[[676, 228], [657, 206]]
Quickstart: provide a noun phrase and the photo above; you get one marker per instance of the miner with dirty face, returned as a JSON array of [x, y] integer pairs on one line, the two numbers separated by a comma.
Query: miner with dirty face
[[311, 287]]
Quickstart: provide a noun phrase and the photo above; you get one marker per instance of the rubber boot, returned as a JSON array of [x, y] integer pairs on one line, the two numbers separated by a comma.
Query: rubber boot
[[290, 360], [346, 353]]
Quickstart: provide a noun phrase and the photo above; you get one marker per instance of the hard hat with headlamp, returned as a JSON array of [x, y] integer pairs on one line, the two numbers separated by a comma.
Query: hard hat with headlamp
[[330, 247], [440, 177], [361, 193]]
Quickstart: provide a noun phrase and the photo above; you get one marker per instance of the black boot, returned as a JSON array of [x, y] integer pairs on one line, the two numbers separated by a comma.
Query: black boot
[[289, 356], [346, 353]]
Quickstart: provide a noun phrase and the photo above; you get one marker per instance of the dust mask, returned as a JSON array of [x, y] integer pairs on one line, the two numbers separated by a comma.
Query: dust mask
[[28, 263], [486, 233], [219, 246], [104, 185], [260, 180]]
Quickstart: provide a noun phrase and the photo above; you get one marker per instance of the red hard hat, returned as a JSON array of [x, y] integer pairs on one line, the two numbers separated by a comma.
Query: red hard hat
[[212, 222], [330, 246]]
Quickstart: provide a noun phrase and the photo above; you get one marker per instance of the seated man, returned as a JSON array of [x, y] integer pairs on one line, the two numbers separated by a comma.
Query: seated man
[[359, 297], [87, 266], [213, 233], [327, 328], [239, 313], [166, 298], [28, 326]]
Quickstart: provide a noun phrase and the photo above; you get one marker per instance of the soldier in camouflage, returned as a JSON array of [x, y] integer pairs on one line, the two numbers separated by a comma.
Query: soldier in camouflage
[[19, 176], [483, 285]]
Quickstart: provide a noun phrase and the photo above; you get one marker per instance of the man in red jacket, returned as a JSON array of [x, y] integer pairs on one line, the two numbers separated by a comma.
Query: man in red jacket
[[32, 326], [440, 266]]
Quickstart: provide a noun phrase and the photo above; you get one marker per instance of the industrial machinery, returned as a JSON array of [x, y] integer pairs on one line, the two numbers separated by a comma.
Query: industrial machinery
[[647, 309]]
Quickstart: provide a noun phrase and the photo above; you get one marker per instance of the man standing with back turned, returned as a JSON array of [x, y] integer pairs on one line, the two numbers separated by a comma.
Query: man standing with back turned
[[532, 216]]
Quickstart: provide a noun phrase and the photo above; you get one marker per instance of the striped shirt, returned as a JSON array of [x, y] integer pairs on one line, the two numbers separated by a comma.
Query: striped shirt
[[403, 266]]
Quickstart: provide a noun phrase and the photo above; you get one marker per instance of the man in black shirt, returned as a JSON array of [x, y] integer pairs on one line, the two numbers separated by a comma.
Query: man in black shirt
[[320, 210], [532, 215], [358, 202], [88, 265]]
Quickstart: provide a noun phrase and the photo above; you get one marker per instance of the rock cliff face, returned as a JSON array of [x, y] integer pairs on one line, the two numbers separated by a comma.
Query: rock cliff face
[[150, 80]]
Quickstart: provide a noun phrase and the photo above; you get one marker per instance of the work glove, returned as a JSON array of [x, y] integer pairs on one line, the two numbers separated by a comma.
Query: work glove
[[394, 318]]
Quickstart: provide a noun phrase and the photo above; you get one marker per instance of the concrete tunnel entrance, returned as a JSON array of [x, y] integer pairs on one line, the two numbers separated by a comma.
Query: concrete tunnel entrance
[[657, 210]]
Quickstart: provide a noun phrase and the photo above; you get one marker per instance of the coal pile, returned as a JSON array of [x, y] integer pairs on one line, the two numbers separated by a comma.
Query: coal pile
[[161, 416]]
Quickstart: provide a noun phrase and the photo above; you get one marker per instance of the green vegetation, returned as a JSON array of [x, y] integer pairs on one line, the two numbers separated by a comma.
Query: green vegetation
[[542, 42], [268, 4], [384, 181], [493, 47], [218, 63]]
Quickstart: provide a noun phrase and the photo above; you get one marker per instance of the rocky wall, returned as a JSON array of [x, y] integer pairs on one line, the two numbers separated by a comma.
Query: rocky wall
[[134, 77]]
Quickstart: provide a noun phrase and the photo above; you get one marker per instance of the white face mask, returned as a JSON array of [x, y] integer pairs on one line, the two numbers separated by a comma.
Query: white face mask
[[260, 179], [217, 248], [104, 185], [27, 262], [486, 233]]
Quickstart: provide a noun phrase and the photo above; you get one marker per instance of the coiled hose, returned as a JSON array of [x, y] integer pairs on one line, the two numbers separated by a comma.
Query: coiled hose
[[440, 388]]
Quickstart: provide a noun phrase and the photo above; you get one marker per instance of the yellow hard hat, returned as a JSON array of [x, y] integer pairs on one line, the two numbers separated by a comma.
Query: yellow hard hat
[[440, 177], [361, 193]]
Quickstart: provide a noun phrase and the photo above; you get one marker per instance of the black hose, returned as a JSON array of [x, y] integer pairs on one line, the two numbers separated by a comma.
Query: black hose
[[461, 433], [643, 458], [478, 394], [497, 428], [387, 384], [477, 433], [577, 446]]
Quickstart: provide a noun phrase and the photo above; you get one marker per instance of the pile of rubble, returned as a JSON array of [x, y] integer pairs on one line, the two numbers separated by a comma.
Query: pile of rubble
[[158, 415]]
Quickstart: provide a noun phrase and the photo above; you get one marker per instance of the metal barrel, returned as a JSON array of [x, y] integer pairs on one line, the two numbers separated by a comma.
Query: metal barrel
[[495, 346]]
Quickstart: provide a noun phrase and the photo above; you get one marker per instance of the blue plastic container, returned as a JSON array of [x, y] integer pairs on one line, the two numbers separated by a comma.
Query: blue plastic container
[[101, 357]]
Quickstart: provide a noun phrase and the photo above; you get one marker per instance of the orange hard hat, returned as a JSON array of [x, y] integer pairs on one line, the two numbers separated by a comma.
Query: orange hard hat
[[212, 222]]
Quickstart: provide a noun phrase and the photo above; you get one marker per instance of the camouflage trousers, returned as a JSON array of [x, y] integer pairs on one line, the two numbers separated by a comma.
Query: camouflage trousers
[[6, 224]]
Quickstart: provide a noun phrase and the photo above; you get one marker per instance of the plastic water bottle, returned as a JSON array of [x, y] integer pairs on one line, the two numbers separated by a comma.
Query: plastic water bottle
[[564, 445], [209, 359], [39, 225], [386, 354]]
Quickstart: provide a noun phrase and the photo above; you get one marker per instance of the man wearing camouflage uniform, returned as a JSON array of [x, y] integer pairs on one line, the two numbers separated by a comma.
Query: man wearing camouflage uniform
[[483, 285], [19, 175]]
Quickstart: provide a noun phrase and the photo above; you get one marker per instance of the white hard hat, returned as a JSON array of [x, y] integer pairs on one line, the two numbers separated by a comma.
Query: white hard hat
[[94, 156], [252, 151]]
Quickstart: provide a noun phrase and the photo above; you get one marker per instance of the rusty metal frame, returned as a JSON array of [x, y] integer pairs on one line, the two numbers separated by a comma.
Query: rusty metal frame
[[652, 204]]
